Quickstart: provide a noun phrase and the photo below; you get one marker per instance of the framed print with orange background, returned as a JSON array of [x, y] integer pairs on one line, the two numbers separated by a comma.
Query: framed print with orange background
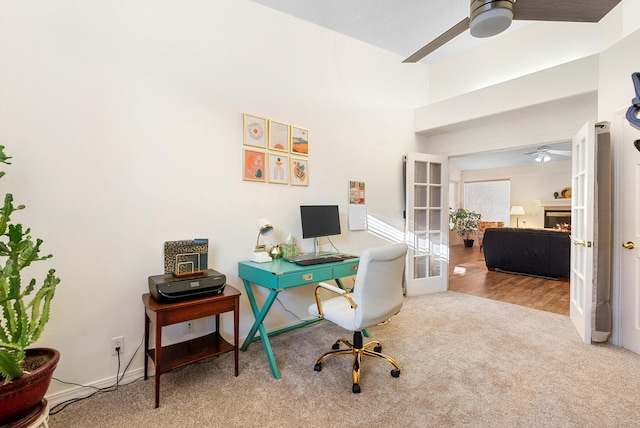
[[255, 131], [254, 165], [278, 136], [299, 172], [299, 141], [278, 168]]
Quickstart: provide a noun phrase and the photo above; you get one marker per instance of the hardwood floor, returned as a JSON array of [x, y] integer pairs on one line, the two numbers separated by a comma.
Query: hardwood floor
[[468, 274]]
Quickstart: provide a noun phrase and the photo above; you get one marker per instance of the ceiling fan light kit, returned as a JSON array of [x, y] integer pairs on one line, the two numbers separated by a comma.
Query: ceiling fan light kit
[[543, 154], [489, 18], [543, 157]]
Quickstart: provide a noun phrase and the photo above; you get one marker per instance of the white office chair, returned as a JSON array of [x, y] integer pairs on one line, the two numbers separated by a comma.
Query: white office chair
[[376, 297]]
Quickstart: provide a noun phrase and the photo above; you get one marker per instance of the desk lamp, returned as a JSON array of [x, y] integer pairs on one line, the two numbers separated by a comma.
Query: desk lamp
[[264, 228], [517, 210], [259, 253]]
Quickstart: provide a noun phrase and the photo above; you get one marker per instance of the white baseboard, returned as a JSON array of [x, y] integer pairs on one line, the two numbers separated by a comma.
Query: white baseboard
[[76, 392]]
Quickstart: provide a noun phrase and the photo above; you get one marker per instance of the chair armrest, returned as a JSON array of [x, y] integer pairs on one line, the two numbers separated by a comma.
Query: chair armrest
[[331, 287], [334, 289]]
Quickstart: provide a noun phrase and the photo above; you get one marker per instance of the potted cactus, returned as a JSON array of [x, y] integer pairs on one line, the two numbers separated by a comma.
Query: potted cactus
[[25, 312]]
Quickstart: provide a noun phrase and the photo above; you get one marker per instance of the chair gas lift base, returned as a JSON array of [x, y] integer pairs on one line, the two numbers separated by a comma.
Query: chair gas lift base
[[358, 350]]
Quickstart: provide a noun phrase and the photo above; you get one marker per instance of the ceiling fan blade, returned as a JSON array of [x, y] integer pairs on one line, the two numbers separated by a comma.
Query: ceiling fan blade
[[535, 152], [454, 31], [565, 10], [560, 152]]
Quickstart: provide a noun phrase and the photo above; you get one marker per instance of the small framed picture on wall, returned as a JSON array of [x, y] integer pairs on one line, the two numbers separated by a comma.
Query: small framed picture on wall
[[254, 165], [299, 141], [278, 136], [299, 172], [255, 131], [278, 168]]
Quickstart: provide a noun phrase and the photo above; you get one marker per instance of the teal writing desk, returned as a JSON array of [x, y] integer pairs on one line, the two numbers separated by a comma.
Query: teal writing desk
[[280, 275]]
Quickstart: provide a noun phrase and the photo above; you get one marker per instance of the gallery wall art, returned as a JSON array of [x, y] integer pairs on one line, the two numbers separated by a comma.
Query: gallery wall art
[[278, 168], [273, 150], [299, 172], [255, 131], [254, 165]]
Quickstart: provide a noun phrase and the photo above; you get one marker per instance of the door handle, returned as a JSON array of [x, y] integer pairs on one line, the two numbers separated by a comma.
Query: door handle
[[586, 244], [629, 245]]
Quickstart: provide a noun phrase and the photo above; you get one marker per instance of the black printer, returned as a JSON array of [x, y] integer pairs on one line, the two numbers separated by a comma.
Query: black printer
[[169, 288]]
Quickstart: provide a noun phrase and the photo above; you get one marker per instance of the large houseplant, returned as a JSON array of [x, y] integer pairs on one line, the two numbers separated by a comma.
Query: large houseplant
[[25, 311], [465, 223]]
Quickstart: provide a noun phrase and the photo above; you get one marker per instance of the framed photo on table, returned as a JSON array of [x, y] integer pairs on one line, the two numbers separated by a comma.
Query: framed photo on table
[[254, 165], [279, 136], [299, 172], [255, 131], [278, 168], [299, 141]]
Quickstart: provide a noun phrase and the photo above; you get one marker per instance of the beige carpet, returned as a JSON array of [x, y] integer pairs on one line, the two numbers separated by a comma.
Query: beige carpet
[[466, 361]]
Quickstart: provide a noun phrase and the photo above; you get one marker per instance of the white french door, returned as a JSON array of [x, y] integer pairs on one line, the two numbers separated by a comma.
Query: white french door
[[427, 223], [630, 234], [582, 224]]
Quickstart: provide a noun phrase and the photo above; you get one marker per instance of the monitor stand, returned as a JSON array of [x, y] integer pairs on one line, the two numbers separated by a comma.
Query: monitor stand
[[316, 247]]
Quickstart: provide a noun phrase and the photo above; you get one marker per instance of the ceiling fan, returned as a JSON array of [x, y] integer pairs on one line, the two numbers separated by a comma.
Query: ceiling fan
[[543, 154], [490, 17]]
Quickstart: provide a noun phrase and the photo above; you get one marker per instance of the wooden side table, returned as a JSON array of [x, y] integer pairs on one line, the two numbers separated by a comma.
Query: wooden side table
[[180, 354]]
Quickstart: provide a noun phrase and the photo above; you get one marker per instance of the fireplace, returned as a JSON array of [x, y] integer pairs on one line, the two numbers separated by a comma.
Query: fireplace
[[557, 219]]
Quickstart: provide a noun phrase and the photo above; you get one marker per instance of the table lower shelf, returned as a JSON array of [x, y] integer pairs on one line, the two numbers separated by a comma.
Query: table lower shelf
[[183, 353]]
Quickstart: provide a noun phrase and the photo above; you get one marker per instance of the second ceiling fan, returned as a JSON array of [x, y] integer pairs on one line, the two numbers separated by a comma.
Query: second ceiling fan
[[490, 17], [543, 154]]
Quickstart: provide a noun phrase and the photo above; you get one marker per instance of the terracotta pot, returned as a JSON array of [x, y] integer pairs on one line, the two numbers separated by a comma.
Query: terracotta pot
[[22, 395]]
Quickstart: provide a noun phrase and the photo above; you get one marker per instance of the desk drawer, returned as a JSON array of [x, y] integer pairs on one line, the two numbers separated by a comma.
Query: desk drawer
[[348, 269], [308, 277]]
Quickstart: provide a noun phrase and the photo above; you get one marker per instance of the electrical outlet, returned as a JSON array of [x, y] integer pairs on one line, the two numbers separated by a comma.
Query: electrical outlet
[[117, 342], [188, 327]]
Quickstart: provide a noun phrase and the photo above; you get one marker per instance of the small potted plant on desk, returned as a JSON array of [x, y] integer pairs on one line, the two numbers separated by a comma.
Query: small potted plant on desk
[[25, 374], [465, 222]]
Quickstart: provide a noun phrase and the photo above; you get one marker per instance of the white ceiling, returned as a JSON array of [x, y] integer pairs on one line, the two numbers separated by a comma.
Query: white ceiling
[[507, 158], [398, 26], [402, 27]]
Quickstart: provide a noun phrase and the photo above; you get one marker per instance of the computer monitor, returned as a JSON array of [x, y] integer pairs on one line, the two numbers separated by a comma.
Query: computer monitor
[[318, 221]]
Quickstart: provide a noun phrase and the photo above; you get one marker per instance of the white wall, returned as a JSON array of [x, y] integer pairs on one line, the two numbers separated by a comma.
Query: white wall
[[484, 99], [528, 185], [124, 120], [534, 91], [546, 123], [530, 49]]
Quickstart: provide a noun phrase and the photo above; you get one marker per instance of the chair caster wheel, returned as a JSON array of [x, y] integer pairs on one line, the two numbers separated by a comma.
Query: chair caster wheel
[[317, 367], [335, 346], [378, 348], [356, 388], [395, 373]]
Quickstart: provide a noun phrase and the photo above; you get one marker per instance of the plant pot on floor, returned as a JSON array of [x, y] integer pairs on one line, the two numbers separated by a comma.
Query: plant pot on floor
[[20, 396], [465, 223]]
